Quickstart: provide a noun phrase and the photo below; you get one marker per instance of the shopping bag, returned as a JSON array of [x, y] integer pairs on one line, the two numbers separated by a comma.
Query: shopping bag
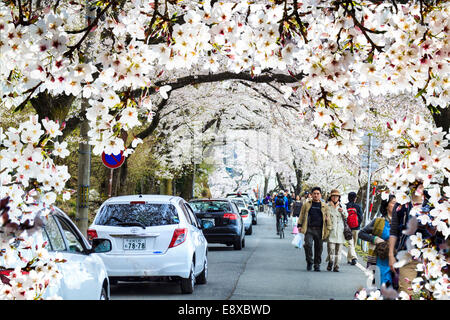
[[295, 240], [295, 230], [301, 240], [298, 240]]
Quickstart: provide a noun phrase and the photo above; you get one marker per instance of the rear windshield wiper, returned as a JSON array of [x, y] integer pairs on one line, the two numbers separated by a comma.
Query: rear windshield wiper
[[137, 224], [113, 218]]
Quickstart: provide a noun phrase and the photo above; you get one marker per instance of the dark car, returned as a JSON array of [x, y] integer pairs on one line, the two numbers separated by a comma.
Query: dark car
[[228, 225]]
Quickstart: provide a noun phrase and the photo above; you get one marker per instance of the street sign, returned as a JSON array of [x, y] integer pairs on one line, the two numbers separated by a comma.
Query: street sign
[[113, 161]]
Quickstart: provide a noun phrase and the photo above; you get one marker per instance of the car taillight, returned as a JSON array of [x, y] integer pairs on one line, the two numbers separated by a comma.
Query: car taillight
[[244, 216], [137, 202], [231, 216], [179, 236], [92, 234]]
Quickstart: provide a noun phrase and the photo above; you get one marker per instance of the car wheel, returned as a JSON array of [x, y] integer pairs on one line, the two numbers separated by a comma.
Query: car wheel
[[187, 284], [238, 245], [202, 278], [103, 294], [243, 242], [250, 230]]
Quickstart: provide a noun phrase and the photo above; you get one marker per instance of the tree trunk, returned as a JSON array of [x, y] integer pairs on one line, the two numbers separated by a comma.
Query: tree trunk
[[280, 184], [55, 108], [122, 182], [166, 187], [442, 118], [184, 185], [266, 185]]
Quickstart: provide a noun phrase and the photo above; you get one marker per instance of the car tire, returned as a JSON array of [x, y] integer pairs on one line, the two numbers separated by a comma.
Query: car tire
[[243, 242], [187, 284], [202, 278], [249, 230], [255, 221], [104, 294], [238, 245]]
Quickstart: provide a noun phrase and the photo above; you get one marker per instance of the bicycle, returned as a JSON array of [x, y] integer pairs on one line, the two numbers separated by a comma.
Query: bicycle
[[281, 226]]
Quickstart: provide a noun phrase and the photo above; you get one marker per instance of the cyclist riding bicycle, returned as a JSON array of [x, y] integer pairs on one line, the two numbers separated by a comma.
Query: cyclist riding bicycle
[[281, 203]]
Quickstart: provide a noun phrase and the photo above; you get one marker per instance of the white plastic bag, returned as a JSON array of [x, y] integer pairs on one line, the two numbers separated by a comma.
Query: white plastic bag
[[298, 240]]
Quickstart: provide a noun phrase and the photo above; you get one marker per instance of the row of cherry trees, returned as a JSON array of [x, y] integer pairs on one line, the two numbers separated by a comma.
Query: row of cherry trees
[[324, 57]]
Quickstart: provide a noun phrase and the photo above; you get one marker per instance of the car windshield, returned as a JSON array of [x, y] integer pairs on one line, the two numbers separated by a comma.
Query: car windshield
[[140, 214], [210, 206], [239, 203]]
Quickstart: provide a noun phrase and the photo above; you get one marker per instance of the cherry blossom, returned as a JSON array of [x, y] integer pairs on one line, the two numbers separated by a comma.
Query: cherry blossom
[[337, 56]]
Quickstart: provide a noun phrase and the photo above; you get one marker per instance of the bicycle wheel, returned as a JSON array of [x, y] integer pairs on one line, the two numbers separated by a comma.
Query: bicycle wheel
[[280, 223]]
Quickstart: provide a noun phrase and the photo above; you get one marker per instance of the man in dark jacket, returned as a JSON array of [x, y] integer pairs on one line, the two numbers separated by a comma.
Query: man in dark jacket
[[351, 208], [315, 223]]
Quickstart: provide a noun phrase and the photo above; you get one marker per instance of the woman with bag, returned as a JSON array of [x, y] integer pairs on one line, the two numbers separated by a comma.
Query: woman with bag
[[296, 207], [377, 234], [336, 238]]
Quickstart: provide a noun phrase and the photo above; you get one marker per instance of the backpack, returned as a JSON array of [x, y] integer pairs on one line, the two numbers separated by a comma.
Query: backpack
[[279, 201], [352, 219]]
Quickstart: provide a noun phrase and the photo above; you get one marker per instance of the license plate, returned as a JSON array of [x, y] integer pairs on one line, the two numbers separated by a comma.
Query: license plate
[[133, 244]]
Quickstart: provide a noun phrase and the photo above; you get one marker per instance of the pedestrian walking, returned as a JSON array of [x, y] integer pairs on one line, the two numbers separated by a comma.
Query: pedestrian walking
[[314, 223], [398, 238], [266, 202], [296, 207], [377, 234], [288, 205], [354, 220], [336, 238], [274, 208]]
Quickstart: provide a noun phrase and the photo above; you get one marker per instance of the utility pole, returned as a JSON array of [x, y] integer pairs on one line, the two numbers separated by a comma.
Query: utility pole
[[369, 174], [194, 166], [84, 151]]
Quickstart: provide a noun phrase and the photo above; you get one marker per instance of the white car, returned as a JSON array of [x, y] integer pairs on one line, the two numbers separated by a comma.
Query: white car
[[84, 275], [245, 214], [153, 237]]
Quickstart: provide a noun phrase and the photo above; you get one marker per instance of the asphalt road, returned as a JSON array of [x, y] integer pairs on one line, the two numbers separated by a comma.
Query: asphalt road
[[268, 268]]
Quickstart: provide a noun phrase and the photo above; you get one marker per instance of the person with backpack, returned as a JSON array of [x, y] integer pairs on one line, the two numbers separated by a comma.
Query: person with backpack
[[354, 220], [280, 202]]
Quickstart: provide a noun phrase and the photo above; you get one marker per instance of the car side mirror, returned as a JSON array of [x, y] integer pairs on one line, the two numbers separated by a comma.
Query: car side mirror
[[101, 245]]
